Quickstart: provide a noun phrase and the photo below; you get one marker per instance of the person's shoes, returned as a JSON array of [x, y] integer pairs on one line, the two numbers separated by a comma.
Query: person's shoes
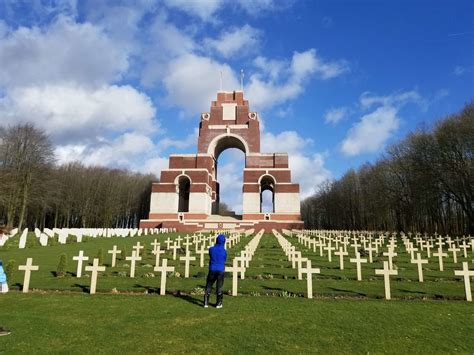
[[206, 301], [4, 331], [219, 301]]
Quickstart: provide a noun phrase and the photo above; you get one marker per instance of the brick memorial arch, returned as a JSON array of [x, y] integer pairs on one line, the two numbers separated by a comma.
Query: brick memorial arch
[[187, 196]]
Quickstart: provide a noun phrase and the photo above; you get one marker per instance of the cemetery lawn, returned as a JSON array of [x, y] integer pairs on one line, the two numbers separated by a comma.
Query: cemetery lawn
[[81, 323]]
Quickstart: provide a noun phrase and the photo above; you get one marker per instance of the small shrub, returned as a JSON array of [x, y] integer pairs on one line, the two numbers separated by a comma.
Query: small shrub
[[268, 276], [10, 269], [61, 269], [122, 274]]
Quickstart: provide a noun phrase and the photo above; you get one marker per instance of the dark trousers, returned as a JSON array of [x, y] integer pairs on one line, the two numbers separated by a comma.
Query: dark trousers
[[212, 277]]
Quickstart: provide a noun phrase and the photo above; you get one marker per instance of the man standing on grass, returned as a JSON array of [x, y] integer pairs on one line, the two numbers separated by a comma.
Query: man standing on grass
[[218, 257]]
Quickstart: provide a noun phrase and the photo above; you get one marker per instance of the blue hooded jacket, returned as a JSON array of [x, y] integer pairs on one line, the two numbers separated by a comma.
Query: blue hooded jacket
[[3, 277], [218, 254]]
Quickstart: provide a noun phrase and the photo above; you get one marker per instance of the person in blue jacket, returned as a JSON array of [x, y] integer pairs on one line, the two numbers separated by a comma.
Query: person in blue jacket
[[3, 289], [3, 279], [218, 257]]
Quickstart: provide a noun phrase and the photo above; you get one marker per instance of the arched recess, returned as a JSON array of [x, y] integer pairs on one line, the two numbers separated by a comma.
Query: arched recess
[[216, 147], [267, 203], [183, 187], [225, 141]]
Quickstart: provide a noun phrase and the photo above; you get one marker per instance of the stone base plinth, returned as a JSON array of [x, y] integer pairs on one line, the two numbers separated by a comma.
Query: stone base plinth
[[209, 224]]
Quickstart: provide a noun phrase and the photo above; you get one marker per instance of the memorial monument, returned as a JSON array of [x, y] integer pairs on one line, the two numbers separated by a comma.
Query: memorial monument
[[187, 196]]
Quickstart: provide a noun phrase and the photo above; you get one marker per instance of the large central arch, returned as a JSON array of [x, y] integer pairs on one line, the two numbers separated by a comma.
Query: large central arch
[[228, 124]]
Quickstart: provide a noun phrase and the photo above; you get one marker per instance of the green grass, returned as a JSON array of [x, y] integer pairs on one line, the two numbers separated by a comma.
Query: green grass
[[270, 272], [269, 316], [81, 323]]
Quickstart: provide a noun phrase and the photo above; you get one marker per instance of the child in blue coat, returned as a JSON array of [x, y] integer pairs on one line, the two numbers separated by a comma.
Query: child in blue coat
[[3, 289], [3, 279], [218, 257]]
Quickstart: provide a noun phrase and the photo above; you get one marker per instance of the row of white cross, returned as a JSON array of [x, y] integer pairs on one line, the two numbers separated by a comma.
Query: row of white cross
[[64, 233], [240, 263], [324, 241], [164, 268]]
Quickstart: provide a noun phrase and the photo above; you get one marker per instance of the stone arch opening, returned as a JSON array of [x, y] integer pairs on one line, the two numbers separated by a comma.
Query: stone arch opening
[[184, 187], [228, 170], [226, 141], [267, 194]]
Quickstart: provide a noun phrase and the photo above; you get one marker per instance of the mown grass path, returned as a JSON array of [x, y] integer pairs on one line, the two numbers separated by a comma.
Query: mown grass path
[[80, 323]]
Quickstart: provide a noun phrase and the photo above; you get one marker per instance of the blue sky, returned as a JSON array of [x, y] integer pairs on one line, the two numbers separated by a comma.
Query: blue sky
[[122, 84]]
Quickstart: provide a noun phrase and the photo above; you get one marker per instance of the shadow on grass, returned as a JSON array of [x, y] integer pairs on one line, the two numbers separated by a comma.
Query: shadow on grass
[[149, 289], [189, 299], [348, 291], [85, 289], [410, 291], [273, 288]]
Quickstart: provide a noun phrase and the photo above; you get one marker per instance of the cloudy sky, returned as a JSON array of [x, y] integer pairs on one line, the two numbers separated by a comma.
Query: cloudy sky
[[122, 83]]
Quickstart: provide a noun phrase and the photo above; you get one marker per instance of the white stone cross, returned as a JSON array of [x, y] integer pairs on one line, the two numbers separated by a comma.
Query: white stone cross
[[370, 249], [114, 253], [80, 258], [164, 268], [202, 251], [168, 243], [390, 253], [242, 259], [133, 259], [454, 250], [178, 240], [341, 253], [155, 244], [187, 258], [157, 252], [464, 247], [28, 268], [95, 268], [309, 276], [234, 269], [329, 249], [138, 248], [187, 244], [175, 247], [467, 274], [358, 262], [419, 261], [440, 255], [386, 272]]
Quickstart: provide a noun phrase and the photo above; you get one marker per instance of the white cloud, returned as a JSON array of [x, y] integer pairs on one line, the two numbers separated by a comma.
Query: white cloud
[[236, 41], [372, 131], [307, 169], [459, 70], [368, 99], [202, 9], [192, 81], [154, 165], [334, 115], [283, 80], [115, 152], [63, 52], [72, 113]]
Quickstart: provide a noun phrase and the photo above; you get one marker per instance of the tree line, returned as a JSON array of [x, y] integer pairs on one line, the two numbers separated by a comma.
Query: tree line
[[424, 183], [36, 192]]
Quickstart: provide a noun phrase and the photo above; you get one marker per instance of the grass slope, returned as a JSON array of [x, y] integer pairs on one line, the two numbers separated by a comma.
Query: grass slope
[[80, 323]]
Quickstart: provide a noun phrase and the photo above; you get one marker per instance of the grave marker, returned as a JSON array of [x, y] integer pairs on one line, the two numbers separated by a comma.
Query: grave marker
[[27, 268], [386, 272], [95, 268], [114, 253], [467, 274], [80, 258]]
